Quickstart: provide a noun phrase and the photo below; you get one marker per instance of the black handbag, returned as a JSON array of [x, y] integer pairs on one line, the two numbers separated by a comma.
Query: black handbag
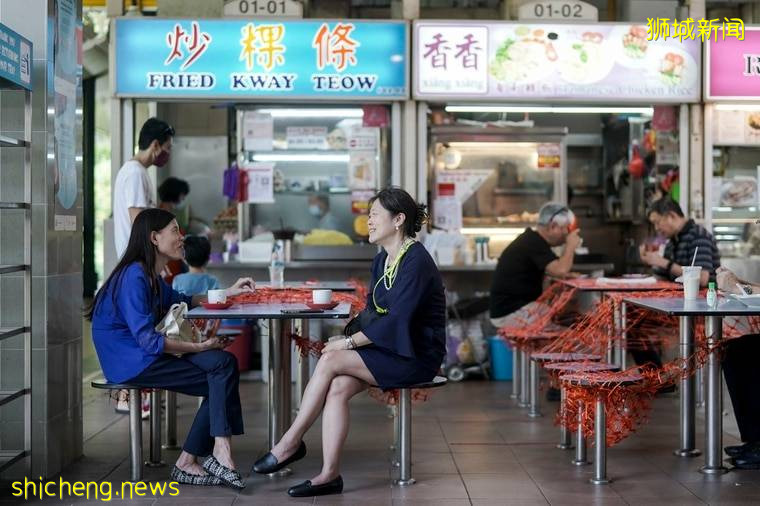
[[361, 321]]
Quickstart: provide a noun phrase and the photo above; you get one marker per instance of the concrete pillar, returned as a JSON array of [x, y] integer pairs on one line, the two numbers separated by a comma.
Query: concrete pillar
[[56, 311], [699, 206]]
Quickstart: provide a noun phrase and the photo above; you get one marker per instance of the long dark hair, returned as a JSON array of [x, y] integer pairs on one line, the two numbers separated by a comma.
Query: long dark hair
[[396, 200], [140, 249]]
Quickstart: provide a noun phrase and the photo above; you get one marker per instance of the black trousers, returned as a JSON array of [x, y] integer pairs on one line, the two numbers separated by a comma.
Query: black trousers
[[212, 374], [742, 379]]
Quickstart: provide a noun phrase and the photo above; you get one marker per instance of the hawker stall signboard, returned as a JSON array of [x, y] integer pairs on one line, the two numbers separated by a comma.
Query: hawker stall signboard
[[15, 58], [733, 67], [262, 58], [561, 62]]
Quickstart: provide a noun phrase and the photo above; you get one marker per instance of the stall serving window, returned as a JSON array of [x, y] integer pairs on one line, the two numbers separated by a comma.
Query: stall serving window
[[318, 158]]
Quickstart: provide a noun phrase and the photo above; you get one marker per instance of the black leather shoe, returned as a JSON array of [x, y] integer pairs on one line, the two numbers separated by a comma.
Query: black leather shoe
[[268, 463], [746, 463], [306, 489], [736, 451]]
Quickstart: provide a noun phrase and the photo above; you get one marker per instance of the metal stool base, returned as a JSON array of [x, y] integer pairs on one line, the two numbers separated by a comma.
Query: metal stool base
[[580, 462], [713, 470], [599, 482], [687, 453], [535, 415], [170, 447], [405, 483], [565, 446]]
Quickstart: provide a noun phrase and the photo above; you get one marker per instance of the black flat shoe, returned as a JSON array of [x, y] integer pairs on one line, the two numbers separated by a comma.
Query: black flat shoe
[[746, 463], [268, 463], [306, 489]]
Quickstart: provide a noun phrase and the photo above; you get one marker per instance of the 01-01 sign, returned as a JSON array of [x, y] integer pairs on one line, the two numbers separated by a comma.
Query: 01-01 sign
[[263, 8]]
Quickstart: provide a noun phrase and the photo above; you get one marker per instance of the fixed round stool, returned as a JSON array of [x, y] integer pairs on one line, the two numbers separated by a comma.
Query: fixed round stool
[[539, 358], [404, 428], [135, 427], [593, 382], [565, 442]]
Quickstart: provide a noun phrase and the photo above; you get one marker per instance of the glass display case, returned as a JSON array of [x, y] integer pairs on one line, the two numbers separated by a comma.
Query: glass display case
[[321, 153], [502, 176], [734, 198]]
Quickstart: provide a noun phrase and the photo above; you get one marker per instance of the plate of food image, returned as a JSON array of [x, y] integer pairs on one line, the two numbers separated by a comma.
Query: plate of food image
[[585, 59], [631, 45], [674, 67], [523, 56]]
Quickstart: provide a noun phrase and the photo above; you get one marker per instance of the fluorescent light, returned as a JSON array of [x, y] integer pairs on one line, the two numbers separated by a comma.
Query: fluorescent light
[[313, 113], [737, 107], [492, 231], [649, 111], [314, 157]]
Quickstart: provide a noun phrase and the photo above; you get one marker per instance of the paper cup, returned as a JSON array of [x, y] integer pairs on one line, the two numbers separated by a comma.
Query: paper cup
[[217, 296], [321, 296], [691, 282]]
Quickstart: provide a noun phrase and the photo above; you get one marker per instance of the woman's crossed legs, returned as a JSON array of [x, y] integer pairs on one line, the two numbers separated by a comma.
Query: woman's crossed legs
[[339, 376]]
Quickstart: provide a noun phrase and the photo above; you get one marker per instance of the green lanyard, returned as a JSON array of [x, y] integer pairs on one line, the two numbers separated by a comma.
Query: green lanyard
[[389, 274]]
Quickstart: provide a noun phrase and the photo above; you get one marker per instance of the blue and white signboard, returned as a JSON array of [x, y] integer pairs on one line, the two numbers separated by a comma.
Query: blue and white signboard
[[262, 59], [15, 58]]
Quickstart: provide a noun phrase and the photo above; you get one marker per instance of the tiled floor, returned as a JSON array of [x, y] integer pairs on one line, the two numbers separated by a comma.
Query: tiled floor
[[472, 446]]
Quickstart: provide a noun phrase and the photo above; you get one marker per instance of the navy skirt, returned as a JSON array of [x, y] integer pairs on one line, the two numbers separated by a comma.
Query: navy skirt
[[391, 370]]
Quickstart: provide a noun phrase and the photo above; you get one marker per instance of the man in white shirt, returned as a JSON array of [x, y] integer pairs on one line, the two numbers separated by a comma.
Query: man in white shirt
[[133, 190]]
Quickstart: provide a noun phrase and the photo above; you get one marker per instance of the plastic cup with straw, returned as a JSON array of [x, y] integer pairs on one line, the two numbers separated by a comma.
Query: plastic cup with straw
[[691, 275]]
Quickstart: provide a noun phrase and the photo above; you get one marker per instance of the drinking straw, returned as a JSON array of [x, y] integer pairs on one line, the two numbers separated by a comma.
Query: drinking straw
[[695, 256]]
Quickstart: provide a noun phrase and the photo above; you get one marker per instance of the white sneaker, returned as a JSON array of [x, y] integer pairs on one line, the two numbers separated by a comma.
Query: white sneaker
[[122, 406], [145, 406]]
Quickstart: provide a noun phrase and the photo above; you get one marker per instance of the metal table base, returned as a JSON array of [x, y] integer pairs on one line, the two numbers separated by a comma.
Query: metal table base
[[687, 390], [714, 400]]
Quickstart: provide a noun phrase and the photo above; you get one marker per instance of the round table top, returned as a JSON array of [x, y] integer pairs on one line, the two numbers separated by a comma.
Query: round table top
[[563, 357], [571, 367], [602, 378]]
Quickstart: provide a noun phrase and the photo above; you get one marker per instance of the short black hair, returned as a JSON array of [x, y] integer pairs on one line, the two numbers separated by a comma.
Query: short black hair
[[396, 201], [172, 188], [197, 250], [664, 206], [154, 129]]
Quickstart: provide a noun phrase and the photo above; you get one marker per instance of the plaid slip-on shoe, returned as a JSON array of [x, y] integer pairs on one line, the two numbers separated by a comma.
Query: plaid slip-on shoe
[[203, 480], [229, 477]]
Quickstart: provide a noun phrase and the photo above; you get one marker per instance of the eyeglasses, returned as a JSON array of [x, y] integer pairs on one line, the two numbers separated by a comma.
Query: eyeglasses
[[562, 209]]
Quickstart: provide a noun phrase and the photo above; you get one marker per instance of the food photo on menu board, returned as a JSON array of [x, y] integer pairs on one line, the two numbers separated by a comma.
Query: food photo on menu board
[[578, 61]]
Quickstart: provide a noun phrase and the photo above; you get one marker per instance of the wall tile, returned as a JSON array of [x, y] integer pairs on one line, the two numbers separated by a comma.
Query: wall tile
[[39, 252], [39, 312], [12, 236], [40, 179], [11, 304], [57, 394], [39, 385], [11, 371], [11, 174]]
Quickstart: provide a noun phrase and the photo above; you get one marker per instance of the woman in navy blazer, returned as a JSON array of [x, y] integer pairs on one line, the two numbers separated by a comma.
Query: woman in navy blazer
[[401, 341], [124, 314]]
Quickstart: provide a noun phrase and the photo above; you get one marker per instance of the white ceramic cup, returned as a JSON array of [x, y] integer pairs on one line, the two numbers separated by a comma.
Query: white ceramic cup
[[321, 296], [691, 282], [217, 296]]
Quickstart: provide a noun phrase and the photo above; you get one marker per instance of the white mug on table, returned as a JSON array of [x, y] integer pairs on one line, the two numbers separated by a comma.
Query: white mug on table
[[217, 296], [321, 296]]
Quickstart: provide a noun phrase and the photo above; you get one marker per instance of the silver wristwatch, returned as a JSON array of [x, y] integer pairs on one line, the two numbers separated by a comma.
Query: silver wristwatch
[[747, 289]]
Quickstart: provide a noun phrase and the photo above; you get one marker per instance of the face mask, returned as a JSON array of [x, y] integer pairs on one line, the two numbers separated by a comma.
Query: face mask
[[315, 210], [161, 159]]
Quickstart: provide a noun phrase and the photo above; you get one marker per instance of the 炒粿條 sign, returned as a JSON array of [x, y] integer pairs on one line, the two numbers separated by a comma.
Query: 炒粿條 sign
[[265, 59]]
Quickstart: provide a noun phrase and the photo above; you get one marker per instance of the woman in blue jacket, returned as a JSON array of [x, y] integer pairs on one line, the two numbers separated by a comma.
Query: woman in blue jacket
[[401, 341], [124, 314]]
